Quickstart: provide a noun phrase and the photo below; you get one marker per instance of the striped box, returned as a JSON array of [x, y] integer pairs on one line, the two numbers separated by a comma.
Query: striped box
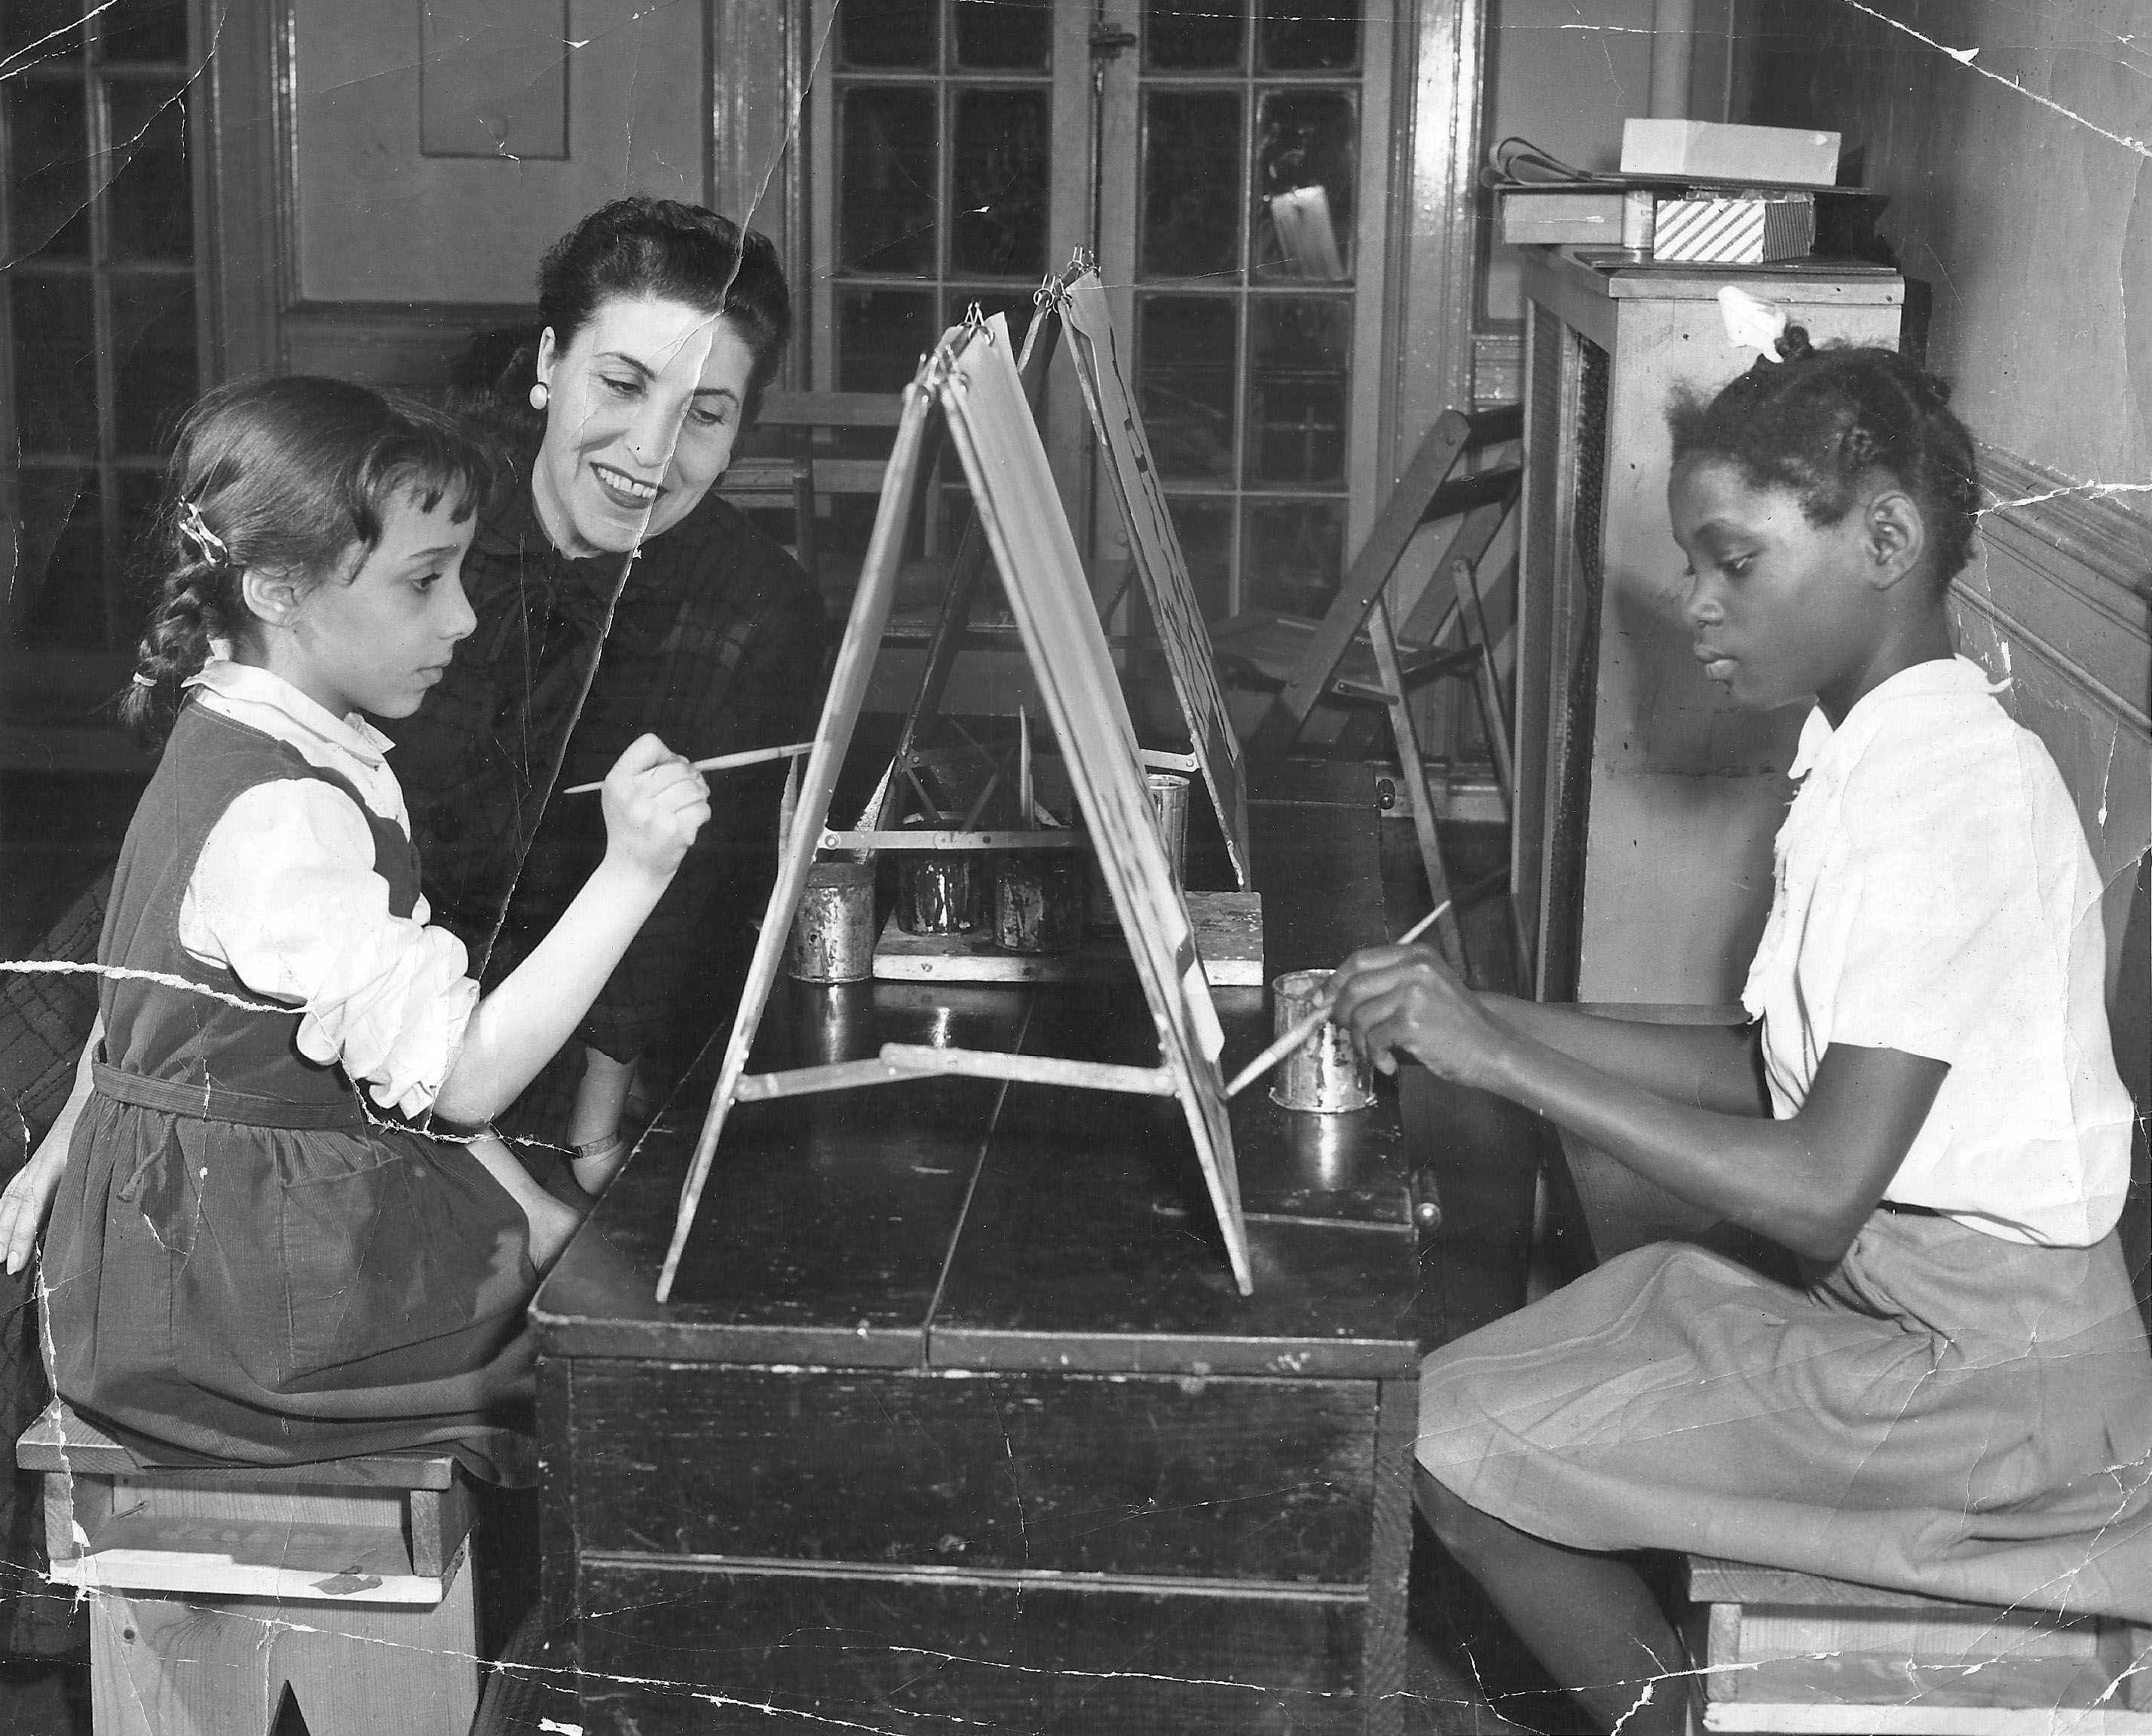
[[1735, 228]]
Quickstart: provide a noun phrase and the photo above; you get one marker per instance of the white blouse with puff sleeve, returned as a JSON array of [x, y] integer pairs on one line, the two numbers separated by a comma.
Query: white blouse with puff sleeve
[[284, 894], [1934, 895]]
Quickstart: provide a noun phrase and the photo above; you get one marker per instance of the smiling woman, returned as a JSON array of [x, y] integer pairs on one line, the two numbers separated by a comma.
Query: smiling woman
[[645, 406], [616, 596]]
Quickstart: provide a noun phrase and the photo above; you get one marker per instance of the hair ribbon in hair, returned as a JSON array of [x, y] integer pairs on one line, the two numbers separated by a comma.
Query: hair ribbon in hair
[[196, 531], [1752, 323]]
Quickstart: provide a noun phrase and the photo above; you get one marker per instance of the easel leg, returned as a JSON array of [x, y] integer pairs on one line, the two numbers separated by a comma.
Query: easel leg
[[1448, 934]]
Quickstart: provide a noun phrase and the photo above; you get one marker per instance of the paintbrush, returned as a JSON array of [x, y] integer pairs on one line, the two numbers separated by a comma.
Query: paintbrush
[[723, 763], [1300, 1032]]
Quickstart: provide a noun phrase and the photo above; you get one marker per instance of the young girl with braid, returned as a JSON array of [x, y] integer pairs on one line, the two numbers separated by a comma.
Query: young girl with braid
[[1957, 1400], [259, 1254]]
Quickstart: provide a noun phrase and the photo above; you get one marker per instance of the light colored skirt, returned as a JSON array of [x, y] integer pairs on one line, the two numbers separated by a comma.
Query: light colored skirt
[[1941, 1412]]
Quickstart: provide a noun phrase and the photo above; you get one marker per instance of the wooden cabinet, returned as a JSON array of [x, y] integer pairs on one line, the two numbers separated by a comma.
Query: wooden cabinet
[[1646, 802]]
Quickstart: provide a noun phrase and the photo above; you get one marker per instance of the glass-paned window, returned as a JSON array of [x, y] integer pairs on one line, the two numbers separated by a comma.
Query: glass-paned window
[[96, 298], [1245, 277], [943, 155]]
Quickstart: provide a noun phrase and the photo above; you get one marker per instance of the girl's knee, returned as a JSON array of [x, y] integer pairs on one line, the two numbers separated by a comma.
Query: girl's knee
[[1468, 1533]]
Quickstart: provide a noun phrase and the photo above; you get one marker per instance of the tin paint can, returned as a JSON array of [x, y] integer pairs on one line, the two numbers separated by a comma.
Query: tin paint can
[[1039, 900], [940, 892], [1329, 1073], [833, 932]]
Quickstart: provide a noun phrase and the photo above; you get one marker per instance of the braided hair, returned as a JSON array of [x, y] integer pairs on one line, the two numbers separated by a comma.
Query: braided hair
[[289, 474], [1822, 422]]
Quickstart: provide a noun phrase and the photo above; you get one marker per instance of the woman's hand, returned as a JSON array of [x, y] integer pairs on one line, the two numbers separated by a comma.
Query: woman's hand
[[655, 803], [1404, 1000], [24, 1203]]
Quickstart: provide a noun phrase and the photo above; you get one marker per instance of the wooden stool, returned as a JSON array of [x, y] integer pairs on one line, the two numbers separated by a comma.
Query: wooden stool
[[214, 1593], [1791, 1652]]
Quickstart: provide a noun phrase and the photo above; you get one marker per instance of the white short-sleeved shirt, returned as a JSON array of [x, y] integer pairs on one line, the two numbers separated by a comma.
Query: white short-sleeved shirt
[[284, 895], [1934, 895]]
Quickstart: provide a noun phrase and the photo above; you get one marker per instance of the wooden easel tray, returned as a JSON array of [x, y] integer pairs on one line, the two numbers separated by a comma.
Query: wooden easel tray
[[1229, 935]]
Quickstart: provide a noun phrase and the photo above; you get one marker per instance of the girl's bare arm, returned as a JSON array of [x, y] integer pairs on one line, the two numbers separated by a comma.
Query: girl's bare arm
[[654, 803], [1808, 1182], [28, 1195], [1711, 1067]]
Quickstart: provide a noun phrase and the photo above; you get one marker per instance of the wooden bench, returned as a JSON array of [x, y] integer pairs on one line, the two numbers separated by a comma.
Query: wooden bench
[[1792, 1652], [215, 1594]]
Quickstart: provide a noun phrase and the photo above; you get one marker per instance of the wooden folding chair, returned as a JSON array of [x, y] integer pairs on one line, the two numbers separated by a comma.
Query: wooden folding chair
[[1356, 653], [794, 470]]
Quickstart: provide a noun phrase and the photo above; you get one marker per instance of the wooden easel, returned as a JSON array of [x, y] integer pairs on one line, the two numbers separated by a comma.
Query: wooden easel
[[884, 809], [1076, 300], [1094, 347], [971, 377]]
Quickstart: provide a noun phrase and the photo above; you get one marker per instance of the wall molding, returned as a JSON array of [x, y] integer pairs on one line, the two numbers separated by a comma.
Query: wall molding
[[2091, 530], [2090, 615], [409, 346]]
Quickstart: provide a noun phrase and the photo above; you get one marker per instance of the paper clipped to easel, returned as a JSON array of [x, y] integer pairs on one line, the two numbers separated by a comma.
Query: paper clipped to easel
[[1094, 345]]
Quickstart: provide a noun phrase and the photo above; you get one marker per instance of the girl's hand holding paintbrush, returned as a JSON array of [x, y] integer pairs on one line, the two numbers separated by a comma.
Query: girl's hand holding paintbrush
[[1291, 1039], [655, 802], [1401, 1000]]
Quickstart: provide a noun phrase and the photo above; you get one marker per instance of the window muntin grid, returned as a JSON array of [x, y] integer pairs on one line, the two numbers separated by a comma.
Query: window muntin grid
[[99, 317], [1249, 112], [944, 148]]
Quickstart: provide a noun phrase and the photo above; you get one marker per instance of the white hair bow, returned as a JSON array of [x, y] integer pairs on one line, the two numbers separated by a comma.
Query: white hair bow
[[1752, 323]]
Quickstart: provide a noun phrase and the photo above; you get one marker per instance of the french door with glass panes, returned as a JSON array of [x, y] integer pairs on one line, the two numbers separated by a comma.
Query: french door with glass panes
[[1225, 161]]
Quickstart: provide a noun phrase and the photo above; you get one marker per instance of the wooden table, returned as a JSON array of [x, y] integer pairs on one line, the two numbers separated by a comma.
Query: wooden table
[[955, 1420]]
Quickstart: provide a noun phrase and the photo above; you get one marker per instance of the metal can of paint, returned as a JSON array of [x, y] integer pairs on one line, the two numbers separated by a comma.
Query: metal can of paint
[[940, 892], [1168, 797], [1329, 1073], [833, 933], [1039, 900]]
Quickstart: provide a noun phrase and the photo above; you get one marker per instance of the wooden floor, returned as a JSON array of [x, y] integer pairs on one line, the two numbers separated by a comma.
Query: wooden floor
[[1467, 1675]]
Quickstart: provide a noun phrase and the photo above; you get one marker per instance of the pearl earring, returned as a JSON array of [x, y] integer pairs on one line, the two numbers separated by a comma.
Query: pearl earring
[[540, 396]]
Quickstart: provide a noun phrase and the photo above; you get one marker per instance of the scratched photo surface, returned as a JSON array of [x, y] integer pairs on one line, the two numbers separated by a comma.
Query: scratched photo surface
[[957, 1420]]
